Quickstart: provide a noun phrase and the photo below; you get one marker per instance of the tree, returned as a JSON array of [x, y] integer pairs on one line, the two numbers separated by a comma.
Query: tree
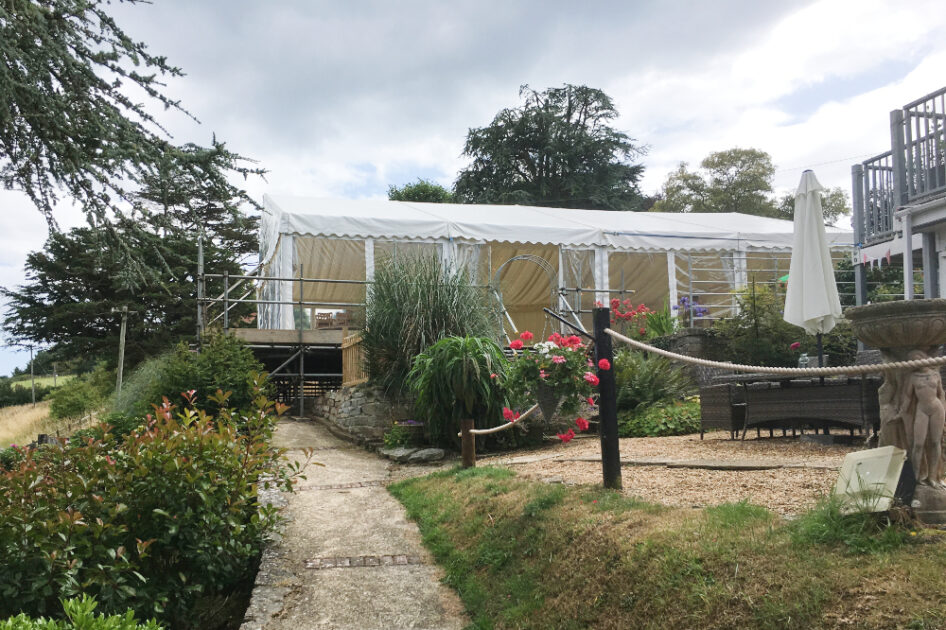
[[736, 180], [80, 275], [834, 205], [557, 149], [421, 190], [67, 119]]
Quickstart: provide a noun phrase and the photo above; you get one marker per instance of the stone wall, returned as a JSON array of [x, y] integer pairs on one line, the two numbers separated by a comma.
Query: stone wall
[[360, 412], [694, 342]]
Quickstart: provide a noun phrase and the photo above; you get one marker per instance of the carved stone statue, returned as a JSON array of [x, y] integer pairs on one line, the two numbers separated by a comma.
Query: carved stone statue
[[924, 402], [913, 415], [912, 402]]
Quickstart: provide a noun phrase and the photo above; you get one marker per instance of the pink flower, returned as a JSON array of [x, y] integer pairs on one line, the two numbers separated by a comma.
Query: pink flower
[[642, 330], [582, 424], [556, 339], [525, 335], [493, 376], [566, 437], [591, 378], [510, 415], [604, 364], [516, 344], [795, 346], [543, 374], [591, 401], [558, 359]]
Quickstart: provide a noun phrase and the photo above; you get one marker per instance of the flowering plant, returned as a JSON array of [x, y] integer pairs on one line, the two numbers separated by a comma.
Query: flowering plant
[[689, 311], [632, 319], [560, 365]]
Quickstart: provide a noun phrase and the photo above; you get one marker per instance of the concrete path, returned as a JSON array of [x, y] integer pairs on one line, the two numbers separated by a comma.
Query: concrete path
[[348, 558]]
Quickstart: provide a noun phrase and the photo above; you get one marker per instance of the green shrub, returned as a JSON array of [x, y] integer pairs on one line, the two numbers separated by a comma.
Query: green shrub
[[10, 458], [10, 395], [224, 363], [74, 400], [661, 323], [80, 615], [458, 377], [674, 418], [152, 524], [757, 334], [413, 303], [82, 395], [645, 379], [396, 436]]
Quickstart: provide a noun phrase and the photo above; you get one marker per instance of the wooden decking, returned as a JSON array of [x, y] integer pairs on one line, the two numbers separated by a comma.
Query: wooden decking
[[268, 337]]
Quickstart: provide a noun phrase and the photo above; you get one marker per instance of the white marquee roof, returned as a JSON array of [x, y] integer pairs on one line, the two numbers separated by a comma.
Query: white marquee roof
[[642, 231]]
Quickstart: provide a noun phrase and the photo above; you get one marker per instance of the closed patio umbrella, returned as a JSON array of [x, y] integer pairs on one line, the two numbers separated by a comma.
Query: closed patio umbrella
[[811, 299]]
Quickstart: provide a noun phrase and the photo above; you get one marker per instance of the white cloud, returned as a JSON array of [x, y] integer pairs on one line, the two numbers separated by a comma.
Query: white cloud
[[344, 99]]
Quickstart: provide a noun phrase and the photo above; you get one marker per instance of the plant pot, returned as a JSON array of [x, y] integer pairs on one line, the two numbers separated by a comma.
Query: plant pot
[[549, 400]]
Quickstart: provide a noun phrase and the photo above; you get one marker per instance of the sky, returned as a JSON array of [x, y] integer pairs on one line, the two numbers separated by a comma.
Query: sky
[[344, 99]]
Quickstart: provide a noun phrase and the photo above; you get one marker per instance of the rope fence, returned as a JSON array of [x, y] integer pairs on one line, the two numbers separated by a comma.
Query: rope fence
[[852, 370]]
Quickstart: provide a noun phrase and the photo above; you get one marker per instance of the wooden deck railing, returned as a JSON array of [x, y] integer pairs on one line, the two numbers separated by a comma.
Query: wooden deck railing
[[353, 361], [914, 170]]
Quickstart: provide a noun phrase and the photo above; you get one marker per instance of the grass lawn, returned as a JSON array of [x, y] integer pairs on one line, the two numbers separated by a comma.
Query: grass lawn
[[44, 381], [524, 554]]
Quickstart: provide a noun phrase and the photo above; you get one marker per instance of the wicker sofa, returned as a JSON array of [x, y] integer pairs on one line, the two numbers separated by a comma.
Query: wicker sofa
[[797, 404]]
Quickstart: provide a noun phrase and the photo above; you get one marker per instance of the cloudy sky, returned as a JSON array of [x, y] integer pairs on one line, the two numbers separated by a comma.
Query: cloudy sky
[[343, 99]]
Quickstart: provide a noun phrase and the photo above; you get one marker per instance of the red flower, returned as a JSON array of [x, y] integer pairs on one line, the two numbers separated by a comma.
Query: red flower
[[525, 335], [556, 339], [566, 437], [591, 378], [642, 330], [516, 344], [795, 346], [493, 376], [572, 341], [591, 401], [582, 424], [510, 415], [604, 364]]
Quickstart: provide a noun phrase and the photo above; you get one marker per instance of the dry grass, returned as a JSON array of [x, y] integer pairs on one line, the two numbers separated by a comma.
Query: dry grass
[[20, 424]]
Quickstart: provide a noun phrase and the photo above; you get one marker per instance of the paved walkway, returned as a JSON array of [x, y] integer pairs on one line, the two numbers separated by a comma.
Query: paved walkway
[[348, 558]]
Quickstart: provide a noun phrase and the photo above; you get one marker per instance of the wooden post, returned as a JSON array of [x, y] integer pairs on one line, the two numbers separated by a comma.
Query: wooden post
[[607, 402], [32, 378], [468, 443]]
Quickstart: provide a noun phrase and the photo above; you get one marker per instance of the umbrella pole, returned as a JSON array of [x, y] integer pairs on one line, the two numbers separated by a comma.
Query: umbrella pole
[[820, 355]]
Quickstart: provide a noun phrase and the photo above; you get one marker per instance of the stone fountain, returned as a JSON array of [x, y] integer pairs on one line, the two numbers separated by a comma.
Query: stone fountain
[[912, 402]]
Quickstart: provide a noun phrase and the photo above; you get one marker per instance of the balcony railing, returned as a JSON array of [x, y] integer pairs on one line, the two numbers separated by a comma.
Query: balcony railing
[[912, 171]]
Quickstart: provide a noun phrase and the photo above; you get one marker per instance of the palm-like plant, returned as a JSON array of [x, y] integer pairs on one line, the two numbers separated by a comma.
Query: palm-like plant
[[458, 377]]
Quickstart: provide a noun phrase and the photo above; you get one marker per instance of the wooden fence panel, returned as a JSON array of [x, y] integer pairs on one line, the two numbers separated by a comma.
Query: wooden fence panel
[[353, 361]]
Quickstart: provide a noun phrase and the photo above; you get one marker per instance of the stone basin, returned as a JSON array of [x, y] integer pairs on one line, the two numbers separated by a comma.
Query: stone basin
[[901, 324]]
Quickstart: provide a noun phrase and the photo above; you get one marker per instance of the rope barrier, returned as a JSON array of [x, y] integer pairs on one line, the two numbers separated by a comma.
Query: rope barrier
[[503, 427], [822, 371]]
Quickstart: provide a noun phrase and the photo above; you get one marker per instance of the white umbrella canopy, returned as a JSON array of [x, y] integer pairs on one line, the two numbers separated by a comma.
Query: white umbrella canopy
[[811, 299]]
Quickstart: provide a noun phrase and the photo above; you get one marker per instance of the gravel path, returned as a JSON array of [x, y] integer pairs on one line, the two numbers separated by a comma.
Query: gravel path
[[811, 472]]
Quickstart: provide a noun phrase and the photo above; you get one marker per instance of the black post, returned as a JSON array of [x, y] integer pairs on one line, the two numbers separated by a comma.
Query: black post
[[820, 354], [607, 402]]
